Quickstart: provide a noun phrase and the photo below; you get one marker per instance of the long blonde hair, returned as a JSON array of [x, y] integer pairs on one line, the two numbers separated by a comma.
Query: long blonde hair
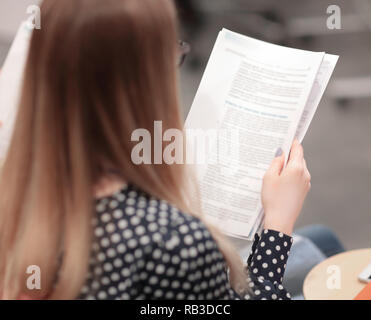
[[96, 71]]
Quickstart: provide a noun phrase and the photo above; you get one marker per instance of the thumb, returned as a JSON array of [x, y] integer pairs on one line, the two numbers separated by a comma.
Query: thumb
[[277, 163]]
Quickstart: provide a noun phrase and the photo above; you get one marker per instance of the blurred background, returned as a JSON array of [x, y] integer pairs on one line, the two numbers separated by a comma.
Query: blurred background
[[338, 144]]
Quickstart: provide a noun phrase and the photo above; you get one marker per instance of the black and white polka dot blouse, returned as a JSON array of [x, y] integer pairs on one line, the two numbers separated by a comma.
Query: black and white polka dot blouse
[[145, 248]]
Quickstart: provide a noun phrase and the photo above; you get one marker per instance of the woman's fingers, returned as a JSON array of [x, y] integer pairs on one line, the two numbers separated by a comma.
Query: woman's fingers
[[277, 164], [307, 174], [296, 159], [296, 153]]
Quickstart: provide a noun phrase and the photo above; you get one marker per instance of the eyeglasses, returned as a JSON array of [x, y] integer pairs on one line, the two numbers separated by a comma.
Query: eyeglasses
[[183, 49]]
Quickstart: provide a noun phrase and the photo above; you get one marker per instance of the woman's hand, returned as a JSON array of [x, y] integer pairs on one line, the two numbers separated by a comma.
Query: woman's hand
[[285, 189]]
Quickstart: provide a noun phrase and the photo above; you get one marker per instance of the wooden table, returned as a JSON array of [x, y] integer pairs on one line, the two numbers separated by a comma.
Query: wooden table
[[348, 265]]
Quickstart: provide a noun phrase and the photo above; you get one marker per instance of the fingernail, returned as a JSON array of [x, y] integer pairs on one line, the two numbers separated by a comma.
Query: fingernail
[[278, 152]]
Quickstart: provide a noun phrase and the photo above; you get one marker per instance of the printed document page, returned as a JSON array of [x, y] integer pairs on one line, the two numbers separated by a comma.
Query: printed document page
[[253, 93], [323, 77]]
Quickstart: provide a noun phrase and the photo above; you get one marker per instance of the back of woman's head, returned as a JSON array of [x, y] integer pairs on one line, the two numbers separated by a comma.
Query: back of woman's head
[[96, 71], [103, 69]]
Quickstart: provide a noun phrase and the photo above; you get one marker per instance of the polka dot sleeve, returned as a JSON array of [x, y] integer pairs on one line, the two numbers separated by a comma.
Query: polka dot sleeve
[[267, 264]]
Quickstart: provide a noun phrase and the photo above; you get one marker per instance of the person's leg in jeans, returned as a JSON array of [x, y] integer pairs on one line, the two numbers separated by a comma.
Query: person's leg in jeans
[[312, 245], [323, 237]]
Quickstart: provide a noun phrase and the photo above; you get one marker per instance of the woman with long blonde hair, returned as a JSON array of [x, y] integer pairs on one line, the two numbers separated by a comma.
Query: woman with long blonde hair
[[74, 204]]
